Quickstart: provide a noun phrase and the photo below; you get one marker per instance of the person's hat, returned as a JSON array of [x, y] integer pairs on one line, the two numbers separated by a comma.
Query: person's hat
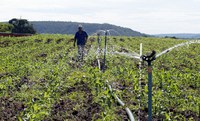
[[80, 26]]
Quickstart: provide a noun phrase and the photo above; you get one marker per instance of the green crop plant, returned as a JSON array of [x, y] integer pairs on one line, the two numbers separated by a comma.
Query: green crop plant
[[41, 79]]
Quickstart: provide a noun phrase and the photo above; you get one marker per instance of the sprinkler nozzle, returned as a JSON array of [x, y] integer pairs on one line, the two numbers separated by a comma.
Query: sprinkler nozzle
[[149, 57]]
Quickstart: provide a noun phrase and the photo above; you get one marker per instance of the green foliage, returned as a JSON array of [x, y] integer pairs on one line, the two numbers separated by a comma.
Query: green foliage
[[41, 80], [5, 27], [22, 26]]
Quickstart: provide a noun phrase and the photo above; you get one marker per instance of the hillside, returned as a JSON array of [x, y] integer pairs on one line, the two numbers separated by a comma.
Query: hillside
[[53, 27], [181, 36], [41, 79]]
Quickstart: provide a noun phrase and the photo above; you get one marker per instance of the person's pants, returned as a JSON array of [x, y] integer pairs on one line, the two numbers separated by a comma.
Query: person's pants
[[81, 51]]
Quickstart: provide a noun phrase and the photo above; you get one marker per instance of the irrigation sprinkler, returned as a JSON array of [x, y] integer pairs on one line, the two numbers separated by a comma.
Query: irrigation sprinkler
[[105, 49], [130, 115], [149, 58]]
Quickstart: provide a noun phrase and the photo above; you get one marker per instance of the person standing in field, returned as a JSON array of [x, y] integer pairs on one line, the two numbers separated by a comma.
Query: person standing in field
[[81, 37]]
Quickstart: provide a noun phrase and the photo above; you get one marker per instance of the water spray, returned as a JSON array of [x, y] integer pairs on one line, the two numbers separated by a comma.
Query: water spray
[[176, 46], [149, 58], [129, 55]]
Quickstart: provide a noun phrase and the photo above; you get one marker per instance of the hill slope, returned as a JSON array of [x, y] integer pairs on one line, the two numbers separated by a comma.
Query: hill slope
[[53, 27]]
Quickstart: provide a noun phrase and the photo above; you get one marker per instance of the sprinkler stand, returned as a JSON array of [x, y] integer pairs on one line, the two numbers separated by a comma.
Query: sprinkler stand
[[105, 49], [149, 58]]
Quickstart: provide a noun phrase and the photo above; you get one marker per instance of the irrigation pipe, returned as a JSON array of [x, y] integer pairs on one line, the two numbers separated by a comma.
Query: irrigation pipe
[[128, 111]]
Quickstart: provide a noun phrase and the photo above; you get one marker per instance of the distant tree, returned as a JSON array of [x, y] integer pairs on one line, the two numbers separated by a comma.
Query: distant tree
[[5, 27], [171, 37], [22, 26]]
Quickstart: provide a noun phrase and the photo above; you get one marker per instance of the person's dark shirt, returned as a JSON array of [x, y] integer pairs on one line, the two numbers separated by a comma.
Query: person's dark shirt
[[81, 37]]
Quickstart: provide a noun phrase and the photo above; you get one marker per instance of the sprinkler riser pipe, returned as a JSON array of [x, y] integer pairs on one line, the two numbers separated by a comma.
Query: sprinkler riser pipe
[[98, 40], [149, 58], [105, 49], [149, 91]]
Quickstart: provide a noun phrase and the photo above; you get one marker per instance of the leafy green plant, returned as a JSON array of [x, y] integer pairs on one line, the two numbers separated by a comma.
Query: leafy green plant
[[42, 73]]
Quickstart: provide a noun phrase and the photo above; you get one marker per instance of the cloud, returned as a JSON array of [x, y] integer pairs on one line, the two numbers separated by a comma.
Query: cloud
[[148, 16]]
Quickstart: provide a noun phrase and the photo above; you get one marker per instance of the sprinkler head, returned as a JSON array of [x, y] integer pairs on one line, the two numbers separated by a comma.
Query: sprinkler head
[[106, 32], [149, 57]]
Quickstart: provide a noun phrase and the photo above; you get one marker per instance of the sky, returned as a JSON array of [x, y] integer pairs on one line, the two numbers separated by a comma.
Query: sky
[[146, 16]]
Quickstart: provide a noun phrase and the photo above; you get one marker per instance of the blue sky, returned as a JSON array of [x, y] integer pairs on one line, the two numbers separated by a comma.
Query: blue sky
[[147, 16]]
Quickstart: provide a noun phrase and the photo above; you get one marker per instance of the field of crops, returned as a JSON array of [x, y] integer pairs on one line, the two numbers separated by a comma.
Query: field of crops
[[41, 79]]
